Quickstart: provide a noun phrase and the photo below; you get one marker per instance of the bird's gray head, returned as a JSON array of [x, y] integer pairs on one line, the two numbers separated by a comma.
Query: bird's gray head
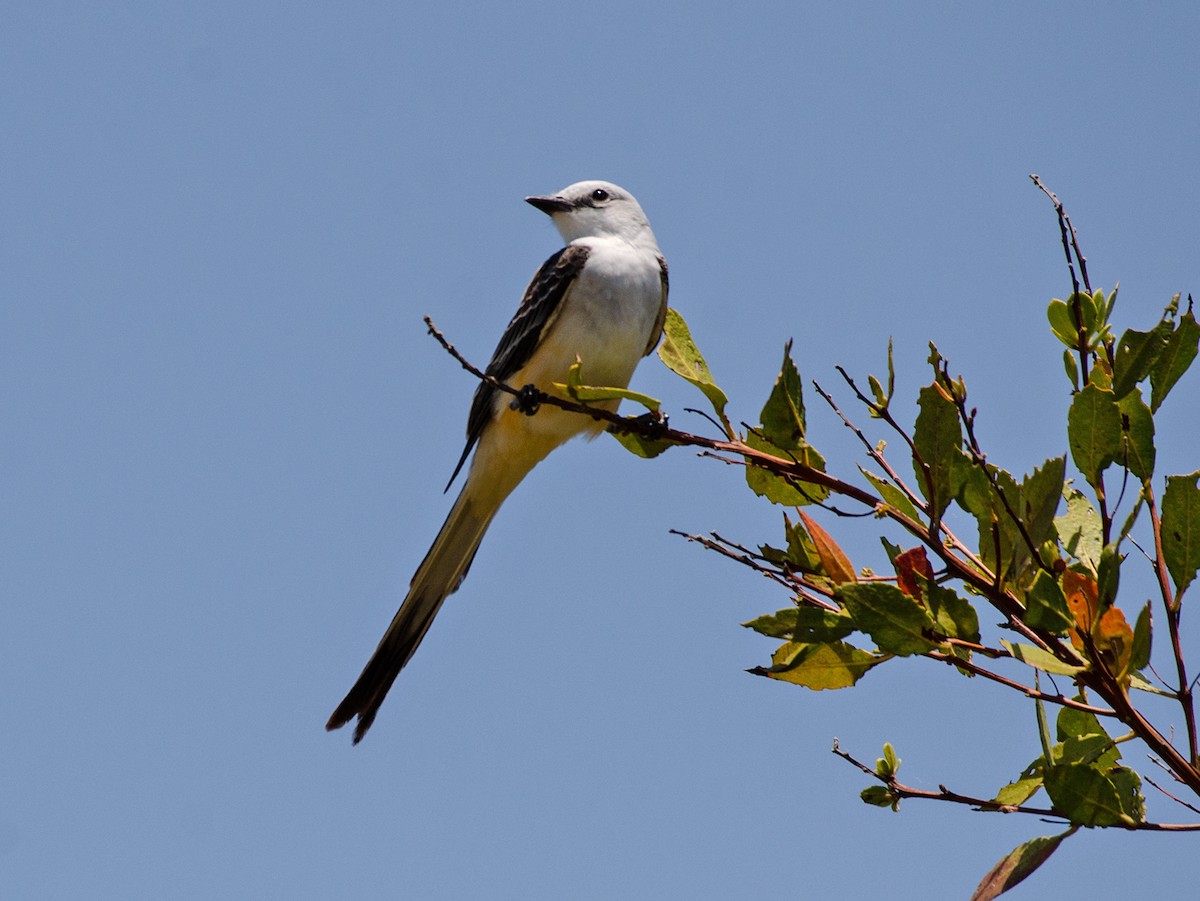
[[596, 208]]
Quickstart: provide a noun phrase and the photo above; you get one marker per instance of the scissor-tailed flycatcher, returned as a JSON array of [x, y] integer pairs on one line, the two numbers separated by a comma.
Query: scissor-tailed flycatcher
[[602, 298]]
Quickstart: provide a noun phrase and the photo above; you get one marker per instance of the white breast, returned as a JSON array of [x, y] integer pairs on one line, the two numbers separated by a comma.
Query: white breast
[[610, 311], [606, 320]]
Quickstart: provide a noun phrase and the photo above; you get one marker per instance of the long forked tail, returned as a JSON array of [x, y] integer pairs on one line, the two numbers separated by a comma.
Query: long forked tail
[[438, 576]]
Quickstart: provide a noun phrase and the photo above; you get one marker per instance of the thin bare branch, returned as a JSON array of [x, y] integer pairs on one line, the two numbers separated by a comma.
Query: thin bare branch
[[958, 546], [989, 805], [979, 459], [1071, 240], [873, 452], [1172, 608], [750, 559], [1190, 807], [885, 415], [1058, 698]]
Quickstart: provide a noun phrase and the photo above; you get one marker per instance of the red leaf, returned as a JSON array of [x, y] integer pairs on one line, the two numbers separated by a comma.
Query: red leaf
[[909, 565]]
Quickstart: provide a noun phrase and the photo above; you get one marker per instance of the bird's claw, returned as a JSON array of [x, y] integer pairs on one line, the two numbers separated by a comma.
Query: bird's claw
[[527, 400], [652, 424]]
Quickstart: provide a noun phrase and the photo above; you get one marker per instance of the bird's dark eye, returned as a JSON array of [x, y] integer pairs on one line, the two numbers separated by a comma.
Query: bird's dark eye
[[599, 194]]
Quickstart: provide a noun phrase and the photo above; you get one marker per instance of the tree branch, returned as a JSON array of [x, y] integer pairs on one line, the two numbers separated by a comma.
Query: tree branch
[[1172, 608], [966, 570], [1071, 239], [1034, 693], [988, 805]]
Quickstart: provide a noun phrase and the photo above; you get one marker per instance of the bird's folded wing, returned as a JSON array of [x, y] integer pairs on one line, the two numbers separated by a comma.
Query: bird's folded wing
[[539, 308]]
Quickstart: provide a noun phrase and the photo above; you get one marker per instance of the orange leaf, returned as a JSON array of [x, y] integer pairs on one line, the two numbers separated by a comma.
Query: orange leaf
[[1114, 636], [833, 559], [909, 565], [1083, 598]]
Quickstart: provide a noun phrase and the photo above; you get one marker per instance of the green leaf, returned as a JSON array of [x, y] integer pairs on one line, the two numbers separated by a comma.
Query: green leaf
[[1094, 309], [1017, 793], [776, 488], [1080, 529], [1137, 425], [892, 495], [1175, 359], [826, 665], [782, 416], [1135, 355], [1046, 606], [1108, 305], [1039, 659], [1071, 365], [896, 622], [1041, 493], [878, 796], [1087, 749], [585, 394], [1043, 727], [1181, 529], [1129, 788], [1094, 431], [1062, 323], [1137, 681], [1084, 795], [803, 624], [1072, 722], [1108, 573], [801, 550], [955, 616], [777, 625], [892, 550], [773, 554], [1036, 504], [1012, 548], [891, 385], [881, 397], [822, 626], [937, 437], [1017, 865], [1088, 308], [889, 763], [973, 490], [679, 352], [642, 445], [1139, 656]]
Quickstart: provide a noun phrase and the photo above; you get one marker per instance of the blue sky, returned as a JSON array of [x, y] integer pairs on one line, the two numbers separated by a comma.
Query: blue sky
[[226, 433]]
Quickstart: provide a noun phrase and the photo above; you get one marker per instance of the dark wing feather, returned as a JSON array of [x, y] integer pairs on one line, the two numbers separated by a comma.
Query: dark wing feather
[[662, 310], [539, 307]]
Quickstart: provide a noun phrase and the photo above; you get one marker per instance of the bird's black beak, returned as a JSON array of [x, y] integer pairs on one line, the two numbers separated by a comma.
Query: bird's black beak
[[549, 205]]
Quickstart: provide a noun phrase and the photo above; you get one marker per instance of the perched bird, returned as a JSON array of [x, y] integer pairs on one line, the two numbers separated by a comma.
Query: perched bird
[[603, 298]]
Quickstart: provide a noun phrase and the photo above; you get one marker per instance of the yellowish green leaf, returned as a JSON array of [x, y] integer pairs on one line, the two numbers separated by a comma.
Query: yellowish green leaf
[[1039, 659], [679, 352]]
